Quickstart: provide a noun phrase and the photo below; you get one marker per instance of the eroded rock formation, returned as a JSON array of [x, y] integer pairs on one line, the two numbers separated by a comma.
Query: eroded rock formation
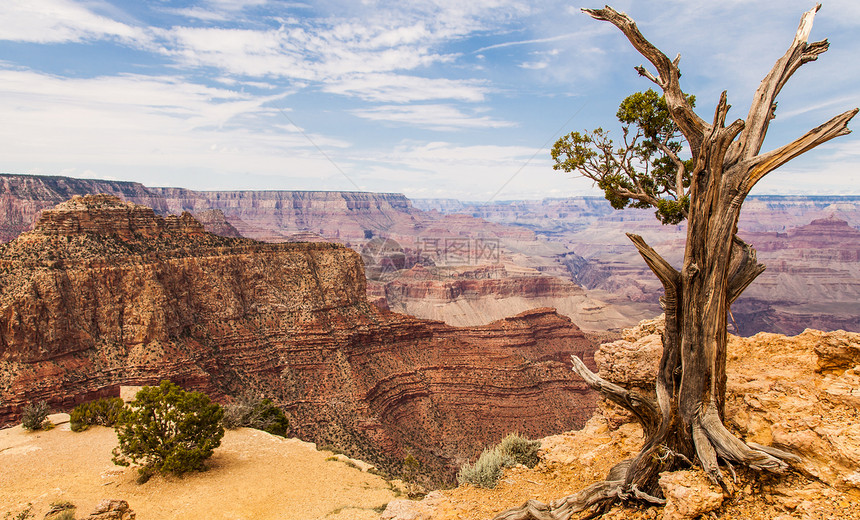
[[476, 296], [799, 393], [104, 293]]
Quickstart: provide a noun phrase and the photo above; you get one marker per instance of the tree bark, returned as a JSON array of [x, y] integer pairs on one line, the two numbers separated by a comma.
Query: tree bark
[[686, 425]]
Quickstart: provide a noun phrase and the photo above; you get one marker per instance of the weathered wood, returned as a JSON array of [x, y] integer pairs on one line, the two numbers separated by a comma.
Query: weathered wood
[[667, 274], [643, 408], [767, 162], [762, 107], [564, 508], [668, 75], [686, 424], [743, 268]]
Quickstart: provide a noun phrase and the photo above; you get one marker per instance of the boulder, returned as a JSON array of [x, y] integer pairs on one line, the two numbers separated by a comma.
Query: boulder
[[689, 494]]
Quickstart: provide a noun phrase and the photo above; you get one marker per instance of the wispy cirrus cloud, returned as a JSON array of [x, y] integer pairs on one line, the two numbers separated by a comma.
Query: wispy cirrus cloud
[[155, 122], [60, 21], [528, 42], [439, 117], [302, 52], [402, 88]]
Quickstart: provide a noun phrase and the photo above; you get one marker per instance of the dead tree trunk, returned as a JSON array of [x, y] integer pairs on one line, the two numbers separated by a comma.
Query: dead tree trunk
[[685, 425]]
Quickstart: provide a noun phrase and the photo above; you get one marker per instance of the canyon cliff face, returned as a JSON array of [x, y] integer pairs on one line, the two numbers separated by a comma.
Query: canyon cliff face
[[103, 293], [278, 216], [468, 297], [455, 243], [798, 394], [811, 280]]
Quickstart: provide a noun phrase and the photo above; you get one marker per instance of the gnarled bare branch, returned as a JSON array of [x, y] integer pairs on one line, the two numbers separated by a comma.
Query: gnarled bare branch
[[643, 408], [691, 125], [767, 162], [761, 111], [667, 274]]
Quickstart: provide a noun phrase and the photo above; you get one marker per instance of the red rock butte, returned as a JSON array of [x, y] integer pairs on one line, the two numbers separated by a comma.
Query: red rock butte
[[104, 293]]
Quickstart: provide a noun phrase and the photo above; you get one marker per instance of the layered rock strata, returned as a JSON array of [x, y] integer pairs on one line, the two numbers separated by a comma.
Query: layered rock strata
[[480, 295], [104, 293]]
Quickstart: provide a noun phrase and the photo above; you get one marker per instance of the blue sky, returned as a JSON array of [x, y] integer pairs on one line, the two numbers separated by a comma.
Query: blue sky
[[431, 98]]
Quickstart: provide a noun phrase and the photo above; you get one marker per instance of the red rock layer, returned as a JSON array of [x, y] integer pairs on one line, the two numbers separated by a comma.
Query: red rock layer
[[449, 290], [89, 303]]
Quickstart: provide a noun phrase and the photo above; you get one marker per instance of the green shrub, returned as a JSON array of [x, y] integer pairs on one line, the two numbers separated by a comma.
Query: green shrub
[[34, 415], [261, 414], [104, 412], [522, 450], [487, 470], [166, 429]]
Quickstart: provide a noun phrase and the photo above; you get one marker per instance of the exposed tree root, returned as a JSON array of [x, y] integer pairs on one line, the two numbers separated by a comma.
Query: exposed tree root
[[563, 508], [713, 443]]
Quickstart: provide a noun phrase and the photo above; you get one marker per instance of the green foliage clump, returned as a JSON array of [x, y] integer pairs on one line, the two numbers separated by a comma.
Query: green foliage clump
[[260, 414], [104, 412], [487, 470], [35, 415], [166, 429], [646, 170]]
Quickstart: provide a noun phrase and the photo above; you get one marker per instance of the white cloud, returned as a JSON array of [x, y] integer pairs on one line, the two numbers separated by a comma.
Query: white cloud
[[401, 88], [534, 65], [155, 123], [476, 172], [58, 21], [435, 117], [528, 42]]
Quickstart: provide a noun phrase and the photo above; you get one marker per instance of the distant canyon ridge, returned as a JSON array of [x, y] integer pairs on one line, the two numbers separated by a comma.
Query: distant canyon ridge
[[472, 263]]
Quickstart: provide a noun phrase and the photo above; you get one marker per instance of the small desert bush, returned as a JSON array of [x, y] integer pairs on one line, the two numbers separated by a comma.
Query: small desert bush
[[260, 414], [61, 510], [35, 415], [487, 470], [522, 450], [104, 412]]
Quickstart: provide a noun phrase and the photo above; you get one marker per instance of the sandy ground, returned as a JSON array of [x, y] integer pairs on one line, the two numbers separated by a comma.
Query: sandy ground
[[253, 476]]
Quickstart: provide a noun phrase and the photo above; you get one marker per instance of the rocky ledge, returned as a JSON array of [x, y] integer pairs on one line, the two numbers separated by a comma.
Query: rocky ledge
[[799, 394], [103, 293]]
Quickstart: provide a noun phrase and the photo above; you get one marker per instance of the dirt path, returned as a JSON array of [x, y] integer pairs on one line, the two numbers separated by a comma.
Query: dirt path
[[252, 476]]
